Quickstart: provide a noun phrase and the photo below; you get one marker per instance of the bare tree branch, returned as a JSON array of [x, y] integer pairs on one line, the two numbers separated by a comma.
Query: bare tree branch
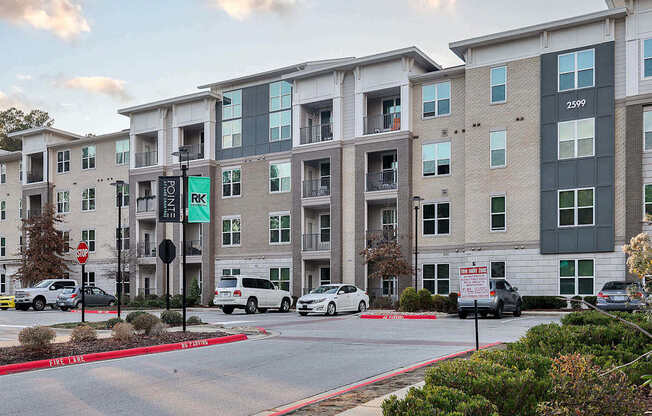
[[625, 365]]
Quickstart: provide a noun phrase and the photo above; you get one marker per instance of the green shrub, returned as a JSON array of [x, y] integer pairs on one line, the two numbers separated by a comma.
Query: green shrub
[[543, 302], [194, 320], [195, 293], [440, 401], [145, 322], [158, 329], [576, 306], [123, 332], [439, 303], [593, 300], [424, 299], [452, 303], [133, 315], [112, 322], [409, 300], [381, 302], [172, 318], [83, 333], [521, 361], [36, 337]]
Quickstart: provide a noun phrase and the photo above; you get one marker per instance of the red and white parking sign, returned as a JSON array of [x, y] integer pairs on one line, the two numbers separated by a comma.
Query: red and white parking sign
[[82, 252], [474, 282]]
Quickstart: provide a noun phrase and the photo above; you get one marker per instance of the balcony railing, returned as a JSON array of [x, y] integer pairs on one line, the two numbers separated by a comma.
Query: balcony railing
[[195, 151], [145, 159], [382, 181], [317, 133], [146, 250], [146, 204], [33, 177], [317, 187], [376, 238], [32, 213], [315, 242], [193, 247], [382, 122]]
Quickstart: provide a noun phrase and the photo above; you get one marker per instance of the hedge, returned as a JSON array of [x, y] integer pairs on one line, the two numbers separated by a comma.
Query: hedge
[[543, 302]]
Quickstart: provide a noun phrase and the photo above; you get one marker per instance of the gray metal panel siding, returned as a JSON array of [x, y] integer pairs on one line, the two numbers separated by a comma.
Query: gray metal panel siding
[[348, 105], [633, 172], [597, 171]]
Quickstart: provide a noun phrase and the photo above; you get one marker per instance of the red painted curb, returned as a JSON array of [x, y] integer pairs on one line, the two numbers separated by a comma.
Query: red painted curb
[[262, 330], [93, 311], [366, 383], [398, 316], [108, 355]]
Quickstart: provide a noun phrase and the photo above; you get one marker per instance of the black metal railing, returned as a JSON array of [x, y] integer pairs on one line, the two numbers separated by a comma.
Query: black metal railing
[[317, 133], [382, 181], [146, 204], [317, 187], [33, 177], [193, 247], [315, 242], [145, 159], [146, 249], [376, 238], [382, 122], [195, 151]]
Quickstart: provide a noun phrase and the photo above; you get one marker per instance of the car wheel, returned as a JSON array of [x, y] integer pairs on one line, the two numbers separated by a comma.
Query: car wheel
[[498, 313], [285, 306], [331, 309], [362, 306], [64, 308], [39, 304], [252, 306], [462, 314], [517, 310], [227, 309], [303, 313], [78, 305], [4, 309]]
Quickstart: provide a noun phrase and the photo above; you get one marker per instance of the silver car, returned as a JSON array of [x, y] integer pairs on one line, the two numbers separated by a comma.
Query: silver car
[[504, 298], [621, 296], [72, 298]]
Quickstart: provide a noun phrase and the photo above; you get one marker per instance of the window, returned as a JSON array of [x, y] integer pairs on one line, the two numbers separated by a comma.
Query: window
[[230, 272], [3, 210], [125, 283], [647, 128], [88, 157], [576, 70], [3, 173], [498, 84], [280, 95], [20, 209], [232, 105], [498, 217], [647, 212], [280, 276], [436, 99], [279, 125], [89, 278], [123, 196], [65, 236], [231, 231], [20, 171], [436, 278], [279, 177], [436, 159], [89, 237], [436, 218], [279, 228], [88, 199], [122, 152], [231, 182], [125, 238], [324, 275], [63, 161], [389, 286], [63, 202], [647, 58], [576, 207], [576, 138], [3, 246], [498, 149], [231, 134], [3, 283], [576, 277], [498, 270]]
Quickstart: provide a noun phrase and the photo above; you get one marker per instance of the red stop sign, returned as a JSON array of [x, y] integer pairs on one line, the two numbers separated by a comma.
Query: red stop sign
[[82, 252]]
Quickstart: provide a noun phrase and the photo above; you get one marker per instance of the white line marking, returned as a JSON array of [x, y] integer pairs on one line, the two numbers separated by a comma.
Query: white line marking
[[13, 326], [230, 322]]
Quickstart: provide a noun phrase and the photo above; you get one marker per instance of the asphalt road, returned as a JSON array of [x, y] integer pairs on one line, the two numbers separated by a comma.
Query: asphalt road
[[304, 356]]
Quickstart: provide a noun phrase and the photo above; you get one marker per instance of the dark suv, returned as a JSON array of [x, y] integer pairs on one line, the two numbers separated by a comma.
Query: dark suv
[[504, 298]]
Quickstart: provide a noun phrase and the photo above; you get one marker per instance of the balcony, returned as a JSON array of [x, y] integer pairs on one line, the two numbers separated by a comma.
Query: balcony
[[193, 247], [317, 187], [146, 250], [34, 177], [313, 242], [145, 159], [382, 181], [382, 123], [146, 204], [195, 151], [376, 238], [32, 213], [316, 134]]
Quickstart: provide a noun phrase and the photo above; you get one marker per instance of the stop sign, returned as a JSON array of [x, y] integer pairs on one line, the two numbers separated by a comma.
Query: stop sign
[[82, 252]]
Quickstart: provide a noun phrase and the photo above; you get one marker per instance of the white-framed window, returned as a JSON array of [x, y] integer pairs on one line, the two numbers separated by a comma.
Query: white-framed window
[[647, 129], [280, 276], [389, 286], [436, 159], [88, 157], [230, 272], [20, 171], [576, 276], [279, 228], [63, 202], [576, 207], [231, 185], [325, 228], [498, 84], [20, 209], [576, 70], [280, 95], [231, 231], [280, 125], [122, 152], [3, 246], [498, 213], [436, 278], [88, 235], [3, 283], [234, 107], [324, 276], [3, 210], [63, 161], [498, 270], [3, 173], [124, 235], [123, 192], [280, 177], [647, 58], [436, 218], [231, 134], [576, 138], [65, 236], [89, 278], [647, 202], [88, 199], [436, 99], [498, 149]]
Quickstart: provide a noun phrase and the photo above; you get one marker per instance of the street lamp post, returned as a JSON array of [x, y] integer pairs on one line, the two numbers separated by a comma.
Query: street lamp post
[[183, 150], [119, 189], [417, 199]]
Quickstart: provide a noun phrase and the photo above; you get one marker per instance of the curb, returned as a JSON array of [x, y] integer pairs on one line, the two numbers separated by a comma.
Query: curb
[[93, 311], [393, 316], [109, 355]]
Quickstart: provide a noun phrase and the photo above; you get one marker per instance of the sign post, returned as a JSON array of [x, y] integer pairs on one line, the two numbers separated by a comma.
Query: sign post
[[474, 284], [82, 257], [167, 252]]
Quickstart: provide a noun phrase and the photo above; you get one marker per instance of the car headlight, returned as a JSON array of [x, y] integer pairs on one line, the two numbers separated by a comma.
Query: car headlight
[[320, 300]]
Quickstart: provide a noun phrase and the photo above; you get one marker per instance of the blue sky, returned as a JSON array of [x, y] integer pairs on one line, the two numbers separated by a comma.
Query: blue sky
[[83, 59]]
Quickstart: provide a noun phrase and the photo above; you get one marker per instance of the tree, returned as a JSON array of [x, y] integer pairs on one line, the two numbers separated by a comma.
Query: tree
[[386, 257], [44, 256], [13, 119], [639, 256], [126, 254]]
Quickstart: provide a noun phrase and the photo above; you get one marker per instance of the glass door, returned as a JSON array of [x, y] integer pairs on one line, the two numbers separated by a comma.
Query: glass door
[[325, 121], [392, 113]]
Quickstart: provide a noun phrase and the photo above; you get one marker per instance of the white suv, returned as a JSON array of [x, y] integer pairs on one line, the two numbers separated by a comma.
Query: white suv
[[42, 294], [251, 294]]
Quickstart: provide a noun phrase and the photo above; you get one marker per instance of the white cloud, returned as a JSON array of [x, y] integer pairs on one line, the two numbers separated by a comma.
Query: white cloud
[[448, 5], [64, 18], [24, 77], [13, 100], [241, 9], [98, 85]]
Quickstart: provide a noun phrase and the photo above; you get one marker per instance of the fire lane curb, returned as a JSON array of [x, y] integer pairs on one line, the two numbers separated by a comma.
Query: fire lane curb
[[109, 355], [394, 316], [93, 311]]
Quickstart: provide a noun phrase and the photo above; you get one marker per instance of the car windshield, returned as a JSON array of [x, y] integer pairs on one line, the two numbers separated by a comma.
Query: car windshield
[[43, 284], [326, 289], [68, 290], [226, 282], [615, 286]]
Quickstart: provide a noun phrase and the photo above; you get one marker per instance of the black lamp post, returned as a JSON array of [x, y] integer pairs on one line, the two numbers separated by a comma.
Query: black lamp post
[[417, 199], [183, 150], [119, 189]]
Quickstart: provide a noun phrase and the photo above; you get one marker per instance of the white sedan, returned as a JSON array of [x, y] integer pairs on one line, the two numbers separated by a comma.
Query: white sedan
[[330, 299]]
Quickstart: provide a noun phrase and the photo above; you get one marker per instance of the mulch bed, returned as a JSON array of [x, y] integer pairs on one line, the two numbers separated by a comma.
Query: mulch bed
[[13, 355]]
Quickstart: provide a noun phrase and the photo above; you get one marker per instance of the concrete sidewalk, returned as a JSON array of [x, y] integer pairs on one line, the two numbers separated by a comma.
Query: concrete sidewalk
[[374, 407]]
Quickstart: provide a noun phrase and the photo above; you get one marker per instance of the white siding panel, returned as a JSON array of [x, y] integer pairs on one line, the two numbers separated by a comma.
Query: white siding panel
[[348, 106], [620, 69]]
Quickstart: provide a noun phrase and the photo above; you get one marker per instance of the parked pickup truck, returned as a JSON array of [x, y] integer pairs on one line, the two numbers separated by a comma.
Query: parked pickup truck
[[42, 294]]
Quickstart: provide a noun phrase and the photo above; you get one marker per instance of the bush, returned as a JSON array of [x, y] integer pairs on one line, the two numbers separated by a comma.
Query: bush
[[194, 320], [438, 400], [543, 302], [381, 302], [36, 337], [452, 303], [145, 322], [576, 306], [158, 329], [123, 332], [172, 318], [112, 322], [133, 315], [409, 300], [521, 361], [424, 299], [439, 303], [195, 293], [593, 300], [83, 333]]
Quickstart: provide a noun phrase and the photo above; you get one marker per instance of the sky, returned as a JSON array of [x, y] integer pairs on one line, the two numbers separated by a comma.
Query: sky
[[81, 60]]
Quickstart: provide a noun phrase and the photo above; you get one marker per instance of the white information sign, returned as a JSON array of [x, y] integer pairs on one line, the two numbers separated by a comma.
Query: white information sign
[[474, 282]]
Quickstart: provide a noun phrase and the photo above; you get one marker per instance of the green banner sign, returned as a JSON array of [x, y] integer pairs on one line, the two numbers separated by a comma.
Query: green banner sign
[[199, 195]]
